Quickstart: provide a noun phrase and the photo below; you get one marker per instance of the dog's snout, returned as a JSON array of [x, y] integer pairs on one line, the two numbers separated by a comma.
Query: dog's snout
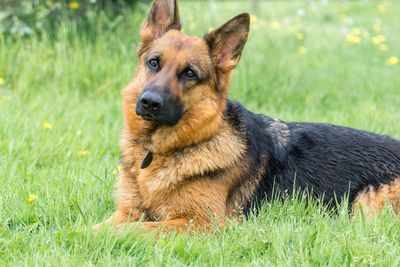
[[158, 106], [151, 101]]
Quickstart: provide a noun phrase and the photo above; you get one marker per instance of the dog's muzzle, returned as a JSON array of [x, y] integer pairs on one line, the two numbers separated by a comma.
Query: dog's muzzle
[[158, 107]]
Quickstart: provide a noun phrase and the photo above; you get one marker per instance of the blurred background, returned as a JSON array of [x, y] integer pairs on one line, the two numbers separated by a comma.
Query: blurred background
[[344, 43], [26, 17]]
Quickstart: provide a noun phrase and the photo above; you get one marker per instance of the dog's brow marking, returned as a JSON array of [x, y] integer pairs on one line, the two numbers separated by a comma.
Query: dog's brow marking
[[280, 133]]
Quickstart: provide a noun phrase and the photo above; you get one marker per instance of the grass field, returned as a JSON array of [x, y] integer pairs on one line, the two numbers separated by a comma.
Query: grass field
[[60, 120]]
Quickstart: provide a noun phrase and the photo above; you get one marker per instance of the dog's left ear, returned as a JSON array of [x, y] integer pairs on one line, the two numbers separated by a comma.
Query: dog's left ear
[[226, 43], [163, 16]]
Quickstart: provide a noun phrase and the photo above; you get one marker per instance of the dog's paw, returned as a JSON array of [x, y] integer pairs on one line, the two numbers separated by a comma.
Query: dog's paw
[[113, 227], [96, 227]]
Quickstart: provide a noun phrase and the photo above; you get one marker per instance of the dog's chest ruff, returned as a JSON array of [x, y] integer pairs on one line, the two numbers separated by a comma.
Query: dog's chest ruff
[[168, 172]]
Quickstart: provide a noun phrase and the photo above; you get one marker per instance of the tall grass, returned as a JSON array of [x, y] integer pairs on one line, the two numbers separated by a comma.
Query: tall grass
[[71, 81]]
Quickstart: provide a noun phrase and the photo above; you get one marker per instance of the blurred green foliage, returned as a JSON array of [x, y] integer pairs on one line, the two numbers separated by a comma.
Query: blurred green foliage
[[22, 18]]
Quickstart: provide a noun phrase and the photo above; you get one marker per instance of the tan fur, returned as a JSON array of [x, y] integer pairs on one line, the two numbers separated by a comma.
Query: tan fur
[[373, 200], [193, 178], [161, 192]]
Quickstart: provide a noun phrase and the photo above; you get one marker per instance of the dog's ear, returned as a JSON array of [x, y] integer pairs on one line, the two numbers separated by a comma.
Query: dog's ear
[[226, 43], [163, 16]]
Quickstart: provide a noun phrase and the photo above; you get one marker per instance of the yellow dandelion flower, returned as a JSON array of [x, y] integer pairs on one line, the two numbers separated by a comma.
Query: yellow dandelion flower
[[381, 9], [275, 25], [32, 197], [73, 5], [366, 35], [47, 125], [299, 36], [253, 18], [210, 29], [6, 97], [1, 80], [353, 39], [377, 27], [302, 50], [356, 31], [83, 152], [381, 38], [376, 40], [393, 61], [383, 47]]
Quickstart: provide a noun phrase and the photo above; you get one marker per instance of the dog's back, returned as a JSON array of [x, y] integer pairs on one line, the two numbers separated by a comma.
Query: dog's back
[[329, 161]]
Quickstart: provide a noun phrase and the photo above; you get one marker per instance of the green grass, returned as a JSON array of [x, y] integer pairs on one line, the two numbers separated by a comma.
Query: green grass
[[73, 82]]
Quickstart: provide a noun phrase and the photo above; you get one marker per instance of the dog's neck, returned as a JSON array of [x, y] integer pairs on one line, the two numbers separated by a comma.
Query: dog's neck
[[167, 140], [214, 155], [195, 127]]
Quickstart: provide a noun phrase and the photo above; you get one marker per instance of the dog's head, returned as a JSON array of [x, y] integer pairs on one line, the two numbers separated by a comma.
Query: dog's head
[[181, 81]]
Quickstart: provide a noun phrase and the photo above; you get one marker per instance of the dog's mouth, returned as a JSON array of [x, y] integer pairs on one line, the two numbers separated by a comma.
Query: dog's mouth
[[168, 117], [157, 119], [151, 118]]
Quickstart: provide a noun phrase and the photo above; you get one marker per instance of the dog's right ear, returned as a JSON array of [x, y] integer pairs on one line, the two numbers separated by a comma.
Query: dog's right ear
[[226, 43], [163, 16]]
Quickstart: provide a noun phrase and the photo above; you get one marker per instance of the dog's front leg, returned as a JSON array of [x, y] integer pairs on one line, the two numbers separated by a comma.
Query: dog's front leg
[[117, 220], [120, 222], [179, 225]]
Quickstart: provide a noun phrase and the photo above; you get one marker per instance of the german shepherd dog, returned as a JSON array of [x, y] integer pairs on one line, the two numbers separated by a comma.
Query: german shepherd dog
[[192, 158]]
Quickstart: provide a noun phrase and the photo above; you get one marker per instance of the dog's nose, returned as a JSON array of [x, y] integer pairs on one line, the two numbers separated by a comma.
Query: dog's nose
[[151, 101]]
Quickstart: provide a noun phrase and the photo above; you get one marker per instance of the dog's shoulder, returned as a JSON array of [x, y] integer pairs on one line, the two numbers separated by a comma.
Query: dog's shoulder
[[263, 134]]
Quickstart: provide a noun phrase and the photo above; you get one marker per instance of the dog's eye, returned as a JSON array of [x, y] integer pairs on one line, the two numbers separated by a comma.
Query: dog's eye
[[189, 74], [153, 64]]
